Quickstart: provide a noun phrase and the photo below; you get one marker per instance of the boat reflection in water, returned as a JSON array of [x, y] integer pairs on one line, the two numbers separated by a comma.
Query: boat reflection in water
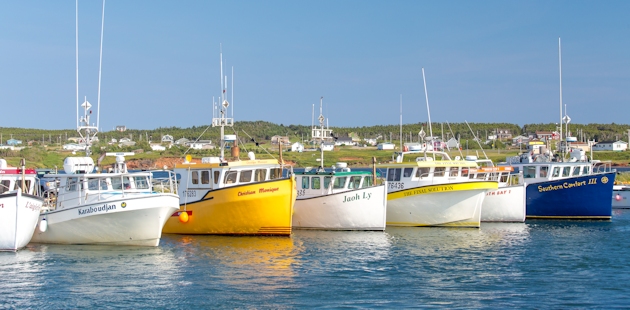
[[264, 262]]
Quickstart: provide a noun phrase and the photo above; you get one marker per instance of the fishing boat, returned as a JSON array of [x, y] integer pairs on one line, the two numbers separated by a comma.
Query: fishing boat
[[575, 189], [434, 190], [557, 187], [20, 204], [233, 197], [621, 197], [91, 207], [507, 202], [339, 198]]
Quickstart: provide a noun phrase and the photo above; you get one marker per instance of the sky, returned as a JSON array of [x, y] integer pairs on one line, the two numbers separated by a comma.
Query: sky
[[484, 61]]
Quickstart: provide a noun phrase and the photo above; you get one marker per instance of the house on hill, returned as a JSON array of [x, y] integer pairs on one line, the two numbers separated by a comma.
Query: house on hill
[[610, 146], [280, 139], [14, 142]]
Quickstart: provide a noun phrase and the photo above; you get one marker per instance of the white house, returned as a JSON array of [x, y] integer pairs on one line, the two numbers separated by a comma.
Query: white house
[[297, 147], [370, 141], [158, 147], [452, 143], [74, 147], [200, 144], [610, 146], [385, 146], [327, 146], [167, 139], [344, 141]]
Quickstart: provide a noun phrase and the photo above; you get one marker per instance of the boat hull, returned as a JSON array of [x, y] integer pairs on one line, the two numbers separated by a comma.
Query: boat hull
[[449, 205], [18, 218], [360, 209], [505, 204], [621, 197], [583, 197], [263, 208], [136, 221]]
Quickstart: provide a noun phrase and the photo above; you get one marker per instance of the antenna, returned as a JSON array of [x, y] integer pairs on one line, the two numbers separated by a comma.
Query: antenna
[[321, 133], [478, 141], [221, 120]]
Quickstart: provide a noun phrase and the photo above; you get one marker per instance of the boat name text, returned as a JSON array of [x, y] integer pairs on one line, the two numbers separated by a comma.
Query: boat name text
[[565, 185], [103, 208], [33, 206], [268, 190], [433, 189], [357, 197], [499, 192]]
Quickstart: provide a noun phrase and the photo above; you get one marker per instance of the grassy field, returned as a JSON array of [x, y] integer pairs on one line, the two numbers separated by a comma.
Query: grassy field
[[37, 157]]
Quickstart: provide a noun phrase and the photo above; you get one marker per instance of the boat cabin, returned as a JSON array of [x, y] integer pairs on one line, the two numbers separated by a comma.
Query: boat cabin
[[11, 179], [317, 183], [214, 174]]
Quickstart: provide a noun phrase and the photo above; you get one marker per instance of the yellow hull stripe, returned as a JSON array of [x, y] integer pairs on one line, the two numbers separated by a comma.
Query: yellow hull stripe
[[257, 209], [442, 188]]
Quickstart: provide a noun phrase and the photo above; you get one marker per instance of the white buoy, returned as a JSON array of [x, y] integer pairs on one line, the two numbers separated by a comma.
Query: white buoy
[[43, 225]]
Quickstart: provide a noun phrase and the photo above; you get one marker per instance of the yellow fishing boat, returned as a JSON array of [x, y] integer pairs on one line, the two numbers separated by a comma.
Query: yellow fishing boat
[[232, 197]]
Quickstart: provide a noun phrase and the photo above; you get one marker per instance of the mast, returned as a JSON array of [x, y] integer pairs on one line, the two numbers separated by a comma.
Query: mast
[[401, 139], [83, 123], [426, 95], [560, 69]]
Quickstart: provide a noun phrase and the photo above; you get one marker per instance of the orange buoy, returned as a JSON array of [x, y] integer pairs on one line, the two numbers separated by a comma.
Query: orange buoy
[[618, 197], [183, 217]]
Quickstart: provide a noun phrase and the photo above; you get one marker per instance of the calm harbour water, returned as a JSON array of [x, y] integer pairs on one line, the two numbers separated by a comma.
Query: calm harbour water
[[537, 264]]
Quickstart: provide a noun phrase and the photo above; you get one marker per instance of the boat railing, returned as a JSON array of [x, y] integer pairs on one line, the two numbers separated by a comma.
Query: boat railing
[[166, 184], [602, 166]]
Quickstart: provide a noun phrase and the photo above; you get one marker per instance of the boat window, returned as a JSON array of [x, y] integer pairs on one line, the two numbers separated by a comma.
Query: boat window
[[465, 172], [72, 184], [246, 176], [576, 170], [116, 183], [544, 171], [367, 181], [407, 172], [315, 183], [141, 182], [217, 175], [27, 183], [205, 177], [340, 182], [230, 177], [275, 173], [452, 171], [4, 186], [194, 177], [566, 171], [529, 172], [586, 170], [355, 181], [556, 172], [93, 184], [327, 182], [305, 182], [439, 171], [393, 174], [422, 172], [260, 175], [503, 178]]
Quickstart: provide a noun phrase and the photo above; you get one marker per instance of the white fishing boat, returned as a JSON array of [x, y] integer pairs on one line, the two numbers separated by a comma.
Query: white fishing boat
[[117, 208], [507, 202], [433, 191], [339, 199], [20, 204]]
